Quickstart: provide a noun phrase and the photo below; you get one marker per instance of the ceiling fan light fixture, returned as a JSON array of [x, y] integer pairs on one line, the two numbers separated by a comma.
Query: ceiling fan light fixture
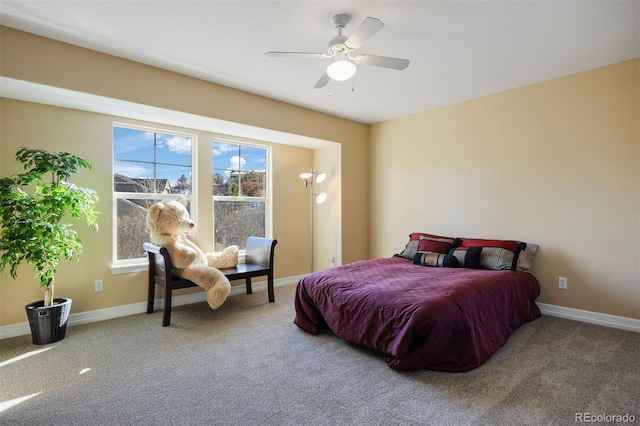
[[341, 70]]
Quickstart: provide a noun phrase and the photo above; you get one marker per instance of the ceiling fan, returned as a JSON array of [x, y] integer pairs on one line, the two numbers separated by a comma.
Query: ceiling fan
[[341, 48]]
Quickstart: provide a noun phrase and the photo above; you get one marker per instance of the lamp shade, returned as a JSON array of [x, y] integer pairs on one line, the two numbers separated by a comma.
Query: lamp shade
[[321, 197], [320, 177], [305, 175], [341, 70]]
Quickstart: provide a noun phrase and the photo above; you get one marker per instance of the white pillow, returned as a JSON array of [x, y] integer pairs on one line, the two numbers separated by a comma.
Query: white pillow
[[525, 259]]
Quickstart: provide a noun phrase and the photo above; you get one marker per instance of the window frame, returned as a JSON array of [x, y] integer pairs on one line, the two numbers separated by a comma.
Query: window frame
[[140, 263], [267, 199]]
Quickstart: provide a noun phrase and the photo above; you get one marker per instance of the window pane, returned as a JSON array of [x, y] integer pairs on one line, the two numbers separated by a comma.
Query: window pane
[[254, 158], [226, 169], [239, 170], [133, 144], [235, 221], [174, 179], [169, 180], [132, 227], [220, 184], [225, 156], [173, 149], [150, 162], [145, 162], [253, 184]]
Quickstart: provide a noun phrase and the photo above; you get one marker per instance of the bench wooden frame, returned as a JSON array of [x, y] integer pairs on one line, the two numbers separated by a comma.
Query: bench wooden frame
[[258, 262]]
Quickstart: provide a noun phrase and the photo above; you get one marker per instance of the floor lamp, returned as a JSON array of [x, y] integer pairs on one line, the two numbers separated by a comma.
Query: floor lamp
[[309, 178]]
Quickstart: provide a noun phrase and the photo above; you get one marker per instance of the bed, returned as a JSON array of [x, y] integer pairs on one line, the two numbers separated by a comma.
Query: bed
[[436, 318]]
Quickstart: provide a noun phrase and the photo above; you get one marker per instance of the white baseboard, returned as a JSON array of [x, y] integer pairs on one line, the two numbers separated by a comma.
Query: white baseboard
[[606, 320], [23, 328]]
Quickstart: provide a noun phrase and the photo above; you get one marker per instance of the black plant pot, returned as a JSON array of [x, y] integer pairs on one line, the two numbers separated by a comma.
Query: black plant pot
[[48, 324]]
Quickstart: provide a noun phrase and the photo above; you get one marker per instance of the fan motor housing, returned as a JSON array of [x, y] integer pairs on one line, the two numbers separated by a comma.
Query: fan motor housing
[[337, 45]]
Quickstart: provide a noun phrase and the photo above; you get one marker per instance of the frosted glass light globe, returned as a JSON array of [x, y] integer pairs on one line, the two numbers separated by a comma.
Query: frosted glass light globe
[[341, 70]]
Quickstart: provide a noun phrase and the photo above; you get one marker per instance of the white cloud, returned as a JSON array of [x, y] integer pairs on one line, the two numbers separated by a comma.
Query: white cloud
[[221, 148], [179, 145], [237, 161], [129, 170]]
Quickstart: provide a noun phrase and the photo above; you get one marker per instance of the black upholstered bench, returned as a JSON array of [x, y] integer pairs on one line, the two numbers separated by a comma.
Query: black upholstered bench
[[258, 262]]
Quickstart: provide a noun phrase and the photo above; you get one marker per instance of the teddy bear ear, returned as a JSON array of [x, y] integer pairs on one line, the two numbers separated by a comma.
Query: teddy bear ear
[[154, 211], [182, 200]]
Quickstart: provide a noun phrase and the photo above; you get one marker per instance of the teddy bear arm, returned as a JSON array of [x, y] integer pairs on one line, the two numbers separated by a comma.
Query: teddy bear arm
[[211, 258], [182, 257], [228, 258]]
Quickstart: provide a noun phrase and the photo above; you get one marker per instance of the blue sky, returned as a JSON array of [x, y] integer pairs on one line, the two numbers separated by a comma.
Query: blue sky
[[175, 151], [231, 156]]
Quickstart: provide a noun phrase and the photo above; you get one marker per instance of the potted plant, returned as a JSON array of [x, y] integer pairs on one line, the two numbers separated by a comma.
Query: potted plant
[[35, 207]]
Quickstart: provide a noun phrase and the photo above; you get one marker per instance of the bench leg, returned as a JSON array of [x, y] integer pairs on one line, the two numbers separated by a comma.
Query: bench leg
[[151, 296], [166, 316], [248, 281], [270, 288]]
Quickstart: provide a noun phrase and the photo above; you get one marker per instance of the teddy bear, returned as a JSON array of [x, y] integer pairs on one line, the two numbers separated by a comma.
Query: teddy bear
[[170, 225]]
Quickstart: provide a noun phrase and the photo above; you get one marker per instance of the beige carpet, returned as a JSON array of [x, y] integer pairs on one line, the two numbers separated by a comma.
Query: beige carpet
[[248, 364]]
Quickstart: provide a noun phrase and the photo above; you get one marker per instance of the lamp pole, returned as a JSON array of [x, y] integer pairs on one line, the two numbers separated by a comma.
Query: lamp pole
[[311, 224], [308, 180]]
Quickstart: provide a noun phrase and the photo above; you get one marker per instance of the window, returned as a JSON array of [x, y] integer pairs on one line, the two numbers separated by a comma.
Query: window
[[148, 166], [240, 193], [151, 165]]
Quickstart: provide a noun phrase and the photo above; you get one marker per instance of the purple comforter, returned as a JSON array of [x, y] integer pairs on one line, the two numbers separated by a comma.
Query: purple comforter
[[445, 319]]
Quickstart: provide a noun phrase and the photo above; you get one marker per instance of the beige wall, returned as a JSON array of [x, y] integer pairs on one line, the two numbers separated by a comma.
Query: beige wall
[[90, 135], [38, 60], [555, 163]]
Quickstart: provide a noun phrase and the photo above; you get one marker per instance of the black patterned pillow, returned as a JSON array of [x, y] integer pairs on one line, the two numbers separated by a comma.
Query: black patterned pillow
[[435, 259], [496, 254], [468, 257]]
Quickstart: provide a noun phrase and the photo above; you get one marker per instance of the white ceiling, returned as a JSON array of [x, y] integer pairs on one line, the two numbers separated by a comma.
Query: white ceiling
[[458, 50]]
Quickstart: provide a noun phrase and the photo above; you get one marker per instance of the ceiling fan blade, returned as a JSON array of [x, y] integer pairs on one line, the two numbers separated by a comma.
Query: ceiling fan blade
[[322, 81], [367, 29], [382, 61], [296, 55]]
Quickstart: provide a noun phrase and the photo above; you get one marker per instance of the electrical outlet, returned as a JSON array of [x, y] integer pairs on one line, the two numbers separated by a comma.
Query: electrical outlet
[[562, 283], [99, 285]]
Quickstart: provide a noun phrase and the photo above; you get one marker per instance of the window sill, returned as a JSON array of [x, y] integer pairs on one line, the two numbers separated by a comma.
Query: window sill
[[127, 269], [143, 266]]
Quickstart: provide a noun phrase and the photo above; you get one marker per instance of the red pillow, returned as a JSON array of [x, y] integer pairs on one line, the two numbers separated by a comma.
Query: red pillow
[[438, 244], [512, 246], [416, 238]]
